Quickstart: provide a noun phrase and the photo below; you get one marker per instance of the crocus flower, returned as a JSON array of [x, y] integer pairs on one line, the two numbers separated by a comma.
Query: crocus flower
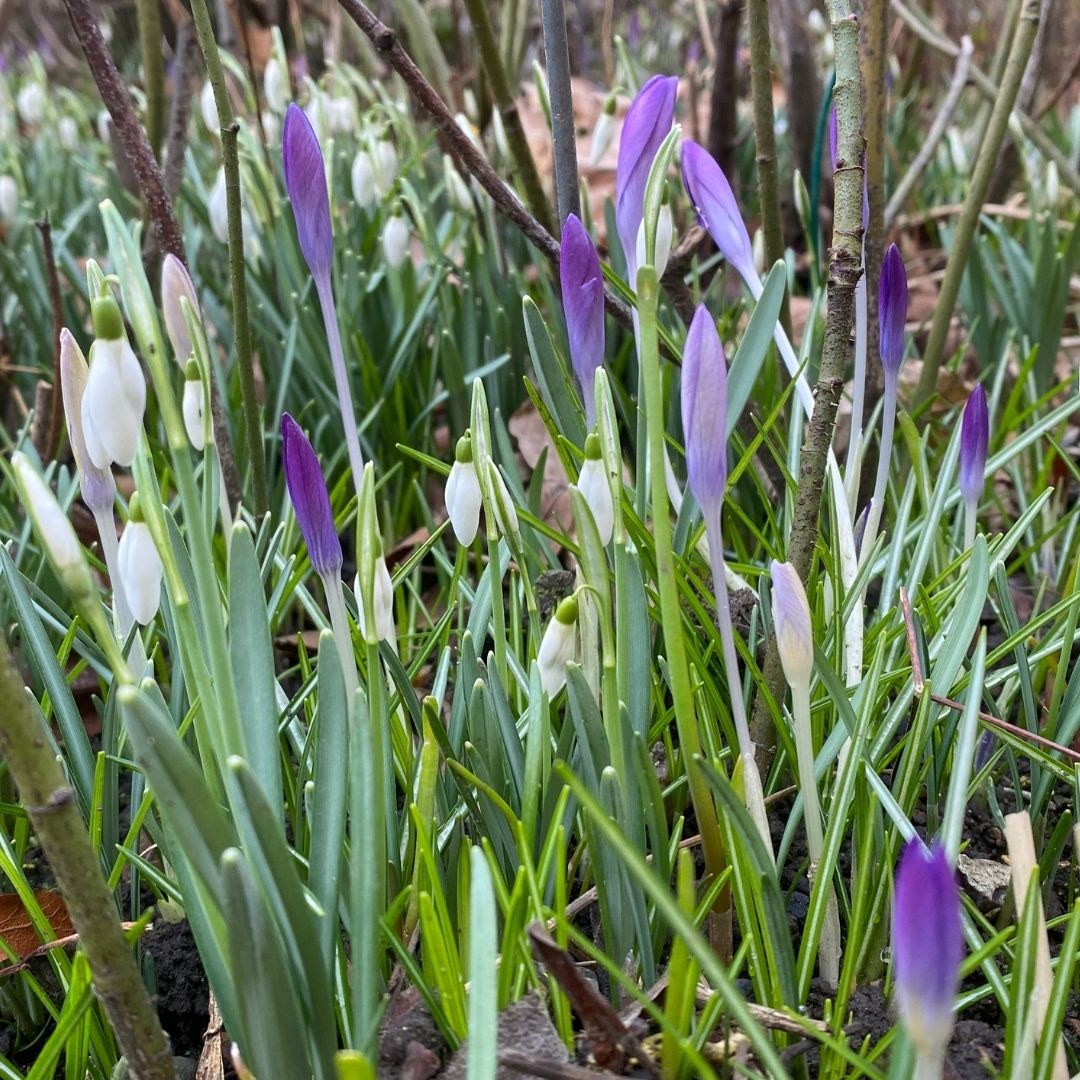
[[644, 129], [892, 310], [791, 617], [927, 946], [974, 437], [463, 497], [704, 411], [115, 398], [305, 180], [596, 490], [310, 499], [716, 208], [176, 286], [140, 566], [97, 485], [582, 283], [557, 647]]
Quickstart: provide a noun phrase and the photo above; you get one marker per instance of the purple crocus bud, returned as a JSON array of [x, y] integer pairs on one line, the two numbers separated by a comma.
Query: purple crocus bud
[[793, 622], [927, 945], [704, 411], [717, 209], [582, 283], [305, 179], [310, 499], [974, 437], [644, 129], [892, 310]]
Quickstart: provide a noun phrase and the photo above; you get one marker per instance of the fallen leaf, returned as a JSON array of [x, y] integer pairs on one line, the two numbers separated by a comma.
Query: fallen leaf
[[17, 929], [528, 428]]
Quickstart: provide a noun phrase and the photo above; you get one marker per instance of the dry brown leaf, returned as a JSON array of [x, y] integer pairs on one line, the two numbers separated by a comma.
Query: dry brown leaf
[[527, 427], [17, 929]]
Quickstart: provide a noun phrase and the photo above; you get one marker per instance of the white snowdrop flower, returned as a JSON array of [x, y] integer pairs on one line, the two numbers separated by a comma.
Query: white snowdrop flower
[[462, 496], [271, 126], [758, 248], [30, 103], [209, 110], [53, 527], [194, 406], [315, 111], [97, 485], [383, 599], [9, 198], [664, 236], [816, 23], [385, 162], [275, 85], [793, 623], [106, 31], [115, 398], [595, 489], [103, 125], [557, 647], [67, 131], [140, 566], [176, 286], [218, 209], [395, 240], [1053, 186], [341, 115], [456, 189], [363, 180], [604, 132]]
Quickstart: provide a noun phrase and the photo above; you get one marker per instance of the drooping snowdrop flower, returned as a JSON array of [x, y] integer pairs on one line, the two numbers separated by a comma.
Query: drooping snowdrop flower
[[927, 949], [462, 495], [395, 240], [209, 110], [974, 439], [316, 112], [194, 406], [557, 647], [340, 115], [97, 485], [140, 564], [53, 528], [30, 102], [115, 398], [596, 490], [67, 131], [217, 206], [176, 286], [385, 160], [383, 598], [582, 283], [275, 85], [103, 125], [310, 499], [604, 131], [9, 198], [363, 180], [456, 188]]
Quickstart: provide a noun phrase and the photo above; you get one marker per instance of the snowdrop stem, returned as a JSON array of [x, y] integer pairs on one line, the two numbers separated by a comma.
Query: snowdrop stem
[[888, 423], [341, 376], [110, 549], [339, 623]]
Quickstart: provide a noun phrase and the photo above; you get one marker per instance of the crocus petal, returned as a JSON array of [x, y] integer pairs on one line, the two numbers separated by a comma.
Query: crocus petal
[[716, 208], [644, 129], [582, 283], [974, 438], [927, 944], [704, 410], [794, 627], [310, 499], [892, 309], [305, 180]]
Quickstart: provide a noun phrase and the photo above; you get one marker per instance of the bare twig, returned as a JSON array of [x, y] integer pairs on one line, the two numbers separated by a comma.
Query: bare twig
[[722, 134], [56, 402]]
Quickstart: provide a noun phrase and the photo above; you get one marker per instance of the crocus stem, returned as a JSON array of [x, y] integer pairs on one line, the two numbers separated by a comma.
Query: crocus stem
[[339, 623], [829, 945], [110, 549], [341, 376], [670, 610], [888, 424], [853, 465], [971, 509], [929, 1065]]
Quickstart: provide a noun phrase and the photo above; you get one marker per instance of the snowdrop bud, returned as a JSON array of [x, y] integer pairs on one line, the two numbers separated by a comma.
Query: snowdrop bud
[[176, 286], [194, 406], [53, 528], [815, 22], [794, 628], [140, 566], [316, 112], [383, 598], [271, 126], [595, 489], [506, 519], [275, 85], [456, 188], [462, 495], [395, 240], [217, 208], [115, 398], [9, 198], [103, 125], [386, 166], [1053, 186], [30, 103], [208, 108], [363, 180], [67, 131], [802, 208], [97, 485], [663, 241], [498, 136], [604, 131], [557, 647], [341, 115], [759, 251]]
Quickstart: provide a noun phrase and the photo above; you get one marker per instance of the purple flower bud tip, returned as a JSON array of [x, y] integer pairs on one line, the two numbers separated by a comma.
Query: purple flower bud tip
[[646, 126], [892, 310], [310, 499], [716, 208], [582, 283], [704, 411], [305, 180], [927, 944], [974, 439]]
